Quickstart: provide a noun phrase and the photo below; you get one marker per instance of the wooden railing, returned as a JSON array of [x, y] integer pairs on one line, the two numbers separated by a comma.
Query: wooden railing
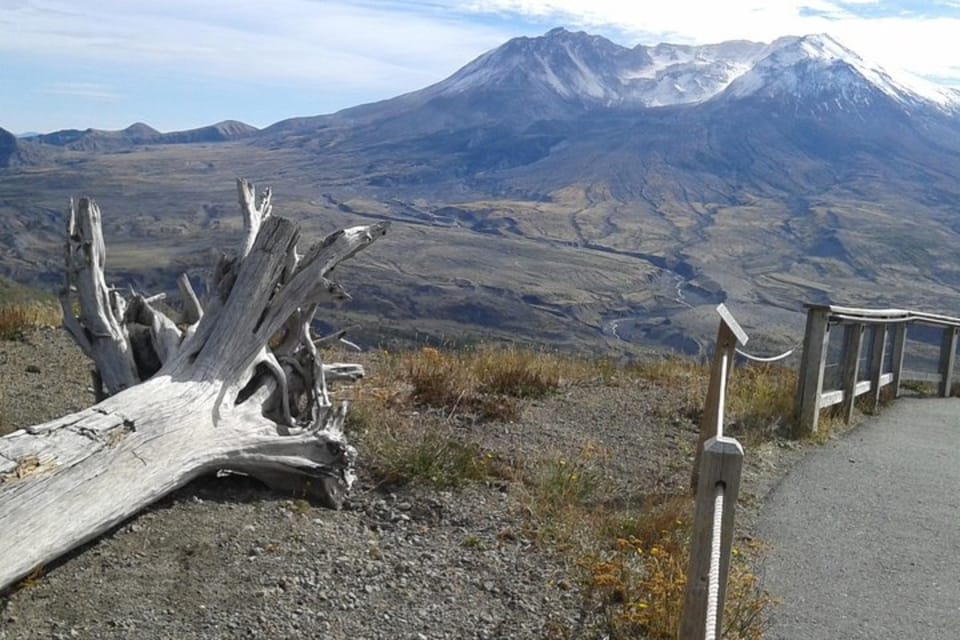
[[884, 362], [716, 480]]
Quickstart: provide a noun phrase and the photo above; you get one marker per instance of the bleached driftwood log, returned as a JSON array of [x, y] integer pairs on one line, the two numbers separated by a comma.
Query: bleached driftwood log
[[236, 385]]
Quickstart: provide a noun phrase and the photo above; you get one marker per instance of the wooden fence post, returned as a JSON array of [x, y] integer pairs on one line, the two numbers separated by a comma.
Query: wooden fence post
[[899, 345], [812, 365], [852, 343], [722, 464], [728, 335], [877, 357], [948, 357]]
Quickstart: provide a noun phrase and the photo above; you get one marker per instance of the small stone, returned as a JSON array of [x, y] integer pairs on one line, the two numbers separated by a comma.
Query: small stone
[[32, 368]]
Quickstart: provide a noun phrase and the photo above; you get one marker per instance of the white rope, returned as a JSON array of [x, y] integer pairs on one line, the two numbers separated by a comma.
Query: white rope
[[713, 584], [721, 399], [749, 356]]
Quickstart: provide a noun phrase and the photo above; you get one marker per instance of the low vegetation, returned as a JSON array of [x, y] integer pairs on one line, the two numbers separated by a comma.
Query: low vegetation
[[421, 416], [15, 321], [23, 309]]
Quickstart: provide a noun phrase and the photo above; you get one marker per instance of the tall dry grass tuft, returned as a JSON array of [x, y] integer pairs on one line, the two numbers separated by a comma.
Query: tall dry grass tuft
[[760, 401], [632, 558], [18, 319], [489, 383], [686, 380]]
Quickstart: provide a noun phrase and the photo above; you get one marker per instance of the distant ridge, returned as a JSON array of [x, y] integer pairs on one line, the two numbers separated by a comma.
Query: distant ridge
[[220, 132], [140, 134]]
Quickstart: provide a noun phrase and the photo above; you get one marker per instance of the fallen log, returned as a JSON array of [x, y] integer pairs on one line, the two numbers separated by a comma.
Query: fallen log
[[235, 384]]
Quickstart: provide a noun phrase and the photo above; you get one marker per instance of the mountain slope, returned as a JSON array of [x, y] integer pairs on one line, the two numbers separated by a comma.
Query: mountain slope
[[552, 99]]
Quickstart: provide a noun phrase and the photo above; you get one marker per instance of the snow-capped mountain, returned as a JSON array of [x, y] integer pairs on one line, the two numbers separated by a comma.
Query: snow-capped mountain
[[563, 76], [593, 70], [800, 112], [817, 65], [678, 74]]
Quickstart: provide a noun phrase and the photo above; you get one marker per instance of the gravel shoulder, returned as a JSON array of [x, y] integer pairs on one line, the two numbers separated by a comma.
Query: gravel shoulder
[[225, 558]]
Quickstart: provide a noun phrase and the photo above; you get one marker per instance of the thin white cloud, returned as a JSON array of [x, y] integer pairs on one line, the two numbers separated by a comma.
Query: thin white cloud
[[290, 41], [84, 90]]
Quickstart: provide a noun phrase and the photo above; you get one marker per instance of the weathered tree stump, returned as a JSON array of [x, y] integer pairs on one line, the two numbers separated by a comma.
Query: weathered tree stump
[[236, 385]]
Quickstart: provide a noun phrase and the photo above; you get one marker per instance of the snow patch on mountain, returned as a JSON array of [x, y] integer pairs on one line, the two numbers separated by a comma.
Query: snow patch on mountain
[[675, 74], [804, 65], [578, 67]]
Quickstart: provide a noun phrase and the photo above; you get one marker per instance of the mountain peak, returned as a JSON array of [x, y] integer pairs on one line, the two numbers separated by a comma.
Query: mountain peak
[[559, 32], [565, 74], [572, 66], [817, 64], [565, 69], [140, 129], [818, 45]]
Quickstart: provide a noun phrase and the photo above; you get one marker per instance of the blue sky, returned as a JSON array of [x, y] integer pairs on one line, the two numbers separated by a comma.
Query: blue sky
[[178, 64]]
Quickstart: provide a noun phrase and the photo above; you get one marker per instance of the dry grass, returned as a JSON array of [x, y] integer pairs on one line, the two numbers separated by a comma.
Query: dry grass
[[17, 319], [488, 383], [631, 556], [632, 559], [685, 379], [405, 417], [759, 399], [401, 447], [640, 579], [928, 389]]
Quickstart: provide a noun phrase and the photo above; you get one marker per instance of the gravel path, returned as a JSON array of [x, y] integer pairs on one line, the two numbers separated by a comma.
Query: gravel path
[[227, 558], [864, 535]]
